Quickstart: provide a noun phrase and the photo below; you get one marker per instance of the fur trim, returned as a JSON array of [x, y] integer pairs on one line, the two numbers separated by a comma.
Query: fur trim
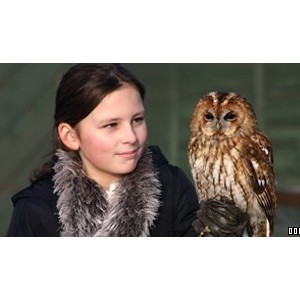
[[82, 206]]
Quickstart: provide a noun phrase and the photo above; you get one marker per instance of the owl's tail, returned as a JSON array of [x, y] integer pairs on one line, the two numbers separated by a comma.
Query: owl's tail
[[268, 229], [263, 229]]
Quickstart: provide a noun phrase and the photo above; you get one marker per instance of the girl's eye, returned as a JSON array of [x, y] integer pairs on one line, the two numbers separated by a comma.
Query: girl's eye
[[111, 125], [138, 120], [209, 116]]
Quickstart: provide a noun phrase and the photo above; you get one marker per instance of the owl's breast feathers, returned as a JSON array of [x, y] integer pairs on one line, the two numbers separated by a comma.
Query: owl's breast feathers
[[239, 168]]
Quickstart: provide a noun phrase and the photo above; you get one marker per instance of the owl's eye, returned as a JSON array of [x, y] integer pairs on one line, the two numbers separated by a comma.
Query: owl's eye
[[230, 116], [209, 116]]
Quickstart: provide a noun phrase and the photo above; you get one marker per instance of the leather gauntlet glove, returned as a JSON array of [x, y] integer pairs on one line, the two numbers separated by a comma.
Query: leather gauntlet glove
[[220, 218]]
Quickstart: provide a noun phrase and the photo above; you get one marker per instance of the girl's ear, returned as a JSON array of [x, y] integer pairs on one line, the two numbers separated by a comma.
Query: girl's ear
[[68, 136]]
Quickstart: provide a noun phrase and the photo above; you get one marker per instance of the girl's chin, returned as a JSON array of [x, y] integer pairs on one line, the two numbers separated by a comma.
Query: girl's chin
[[127, 169]]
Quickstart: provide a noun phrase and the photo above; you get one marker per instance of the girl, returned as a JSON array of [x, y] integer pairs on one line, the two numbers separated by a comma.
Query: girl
[[103, 178]]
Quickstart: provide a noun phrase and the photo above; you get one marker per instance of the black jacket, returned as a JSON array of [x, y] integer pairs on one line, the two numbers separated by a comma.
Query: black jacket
[[35, 211]]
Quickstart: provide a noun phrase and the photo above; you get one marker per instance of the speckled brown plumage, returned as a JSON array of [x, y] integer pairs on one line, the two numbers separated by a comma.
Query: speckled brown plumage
[[230, 157]]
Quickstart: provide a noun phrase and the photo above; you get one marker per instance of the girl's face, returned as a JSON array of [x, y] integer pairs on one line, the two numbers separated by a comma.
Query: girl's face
[[113, 136]]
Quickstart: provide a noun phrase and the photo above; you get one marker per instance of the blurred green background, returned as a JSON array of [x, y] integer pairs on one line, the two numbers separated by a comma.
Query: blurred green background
[[27, 96]]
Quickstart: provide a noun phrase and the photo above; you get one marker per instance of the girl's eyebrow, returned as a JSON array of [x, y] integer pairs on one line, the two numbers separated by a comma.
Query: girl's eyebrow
[[105, 121], [112, 120], [141, 113]]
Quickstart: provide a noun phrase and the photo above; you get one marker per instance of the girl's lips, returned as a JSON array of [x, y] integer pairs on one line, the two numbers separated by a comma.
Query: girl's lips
[[129, 154]]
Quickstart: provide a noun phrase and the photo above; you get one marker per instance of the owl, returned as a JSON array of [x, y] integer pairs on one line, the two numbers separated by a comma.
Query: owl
[[231, 157]]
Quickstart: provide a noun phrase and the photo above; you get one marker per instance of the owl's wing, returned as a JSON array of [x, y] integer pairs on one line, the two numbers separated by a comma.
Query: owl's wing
[[260, 166]]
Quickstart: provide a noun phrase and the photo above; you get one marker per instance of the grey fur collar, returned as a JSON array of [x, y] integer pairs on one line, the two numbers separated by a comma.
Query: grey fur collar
[[84, 211]]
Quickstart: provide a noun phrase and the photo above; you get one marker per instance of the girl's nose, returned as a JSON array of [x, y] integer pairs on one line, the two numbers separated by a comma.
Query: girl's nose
[[130, 136]]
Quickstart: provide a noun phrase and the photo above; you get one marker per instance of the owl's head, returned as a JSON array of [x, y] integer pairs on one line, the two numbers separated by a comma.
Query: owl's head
[[223, 114]]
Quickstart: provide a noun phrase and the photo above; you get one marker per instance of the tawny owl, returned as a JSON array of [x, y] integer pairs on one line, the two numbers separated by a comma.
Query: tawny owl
[[230, 157]]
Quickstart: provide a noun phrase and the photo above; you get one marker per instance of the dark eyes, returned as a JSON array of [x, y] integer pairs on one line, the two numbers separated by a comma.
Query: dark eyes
[[136, 121], [209, 116], [230, 116], [111, 125], [139, 120]]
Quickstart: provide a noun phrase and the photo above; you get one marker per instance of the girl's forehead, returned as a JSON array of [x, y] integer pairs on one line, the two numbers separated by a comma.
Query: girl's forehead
[[120, 102], [123, 96]]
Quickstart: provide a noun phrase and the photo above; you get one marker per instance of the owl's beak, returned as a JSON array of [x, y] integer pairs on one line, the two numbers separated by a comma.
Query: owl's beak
[[218, 126]]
